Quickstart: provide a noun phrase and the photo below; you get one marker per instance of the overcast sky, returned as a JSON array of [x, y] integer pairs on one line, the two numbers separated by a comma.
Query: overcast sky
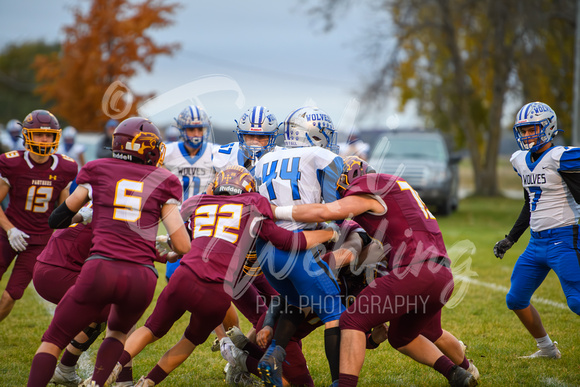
[[235, 54]]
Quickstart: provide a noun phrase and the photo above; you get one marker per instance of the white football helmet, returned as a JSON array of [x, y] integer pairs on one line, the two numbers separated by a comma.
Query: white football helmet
[[257, 121], [193, 117], [543, 118], [310, 126]]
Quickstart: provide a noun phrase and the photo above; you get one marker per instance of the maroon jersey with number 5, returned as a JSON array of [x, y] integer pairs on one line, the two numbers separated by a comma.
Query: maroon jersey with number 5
[[34, 188], [127, 200], [407, 229]]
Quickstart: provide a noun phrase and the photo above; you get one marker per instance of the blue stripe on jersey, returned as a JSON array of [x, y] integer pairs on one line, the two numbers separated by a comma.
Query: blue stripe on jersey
[[185, 153], [532, 165], [570, 160], [328, 178]]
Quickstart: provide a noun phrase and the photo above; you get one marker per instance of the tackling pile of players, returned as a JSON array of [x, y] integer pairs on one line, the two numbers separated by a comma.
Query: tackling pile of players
[[249, 224]]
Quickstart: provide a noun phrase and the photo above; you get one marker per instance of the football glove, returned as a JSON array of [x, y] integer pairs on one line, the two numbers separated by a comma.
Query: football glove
[[87, 214], [16, 238], [162, 244], [502, 246]]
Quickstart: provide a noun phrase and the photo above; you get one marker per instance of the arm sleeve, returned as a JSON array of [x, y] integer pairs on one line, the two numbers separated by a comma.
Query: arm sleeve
[[280, 237], [273, 311], [572, 180], [523, 221], [61, 217]]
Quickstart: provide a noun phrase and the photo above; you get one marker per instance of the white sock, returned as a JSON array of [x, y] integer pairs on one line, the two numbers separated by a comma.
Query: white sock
[[544, 342]]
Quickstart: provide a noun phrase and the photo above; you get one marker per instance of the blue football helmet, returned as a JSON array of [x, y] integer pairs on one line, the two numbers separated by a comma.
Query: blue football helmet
[[310, 126], [193, 117], [543, 118], [257, 121]]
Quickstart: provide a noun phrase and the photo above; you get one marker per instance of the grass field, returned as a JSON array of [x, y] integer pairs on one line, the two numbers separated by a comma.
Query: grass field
[[480, 318]]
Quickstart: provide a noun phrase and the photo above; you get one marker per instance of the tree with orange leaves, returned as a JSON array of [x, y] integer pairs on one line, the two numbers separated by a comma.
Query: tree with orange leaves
[[102, 50]]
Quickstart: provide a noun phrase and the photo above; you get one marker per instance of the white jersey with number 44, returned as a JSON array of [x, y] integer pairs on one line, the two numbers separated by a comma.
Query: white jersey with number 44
[[292, 176]]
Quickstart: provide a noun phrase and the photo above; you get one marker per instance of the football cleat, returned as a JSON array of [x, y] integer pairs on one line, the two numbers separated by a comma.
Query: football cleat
[[114, 374], [472, 369], [552, 352], [461, 378], [124, 384], [270, 365], [236, 377], [66, 376], [237, 336], [89, 382], [215, 346], [144, 382]]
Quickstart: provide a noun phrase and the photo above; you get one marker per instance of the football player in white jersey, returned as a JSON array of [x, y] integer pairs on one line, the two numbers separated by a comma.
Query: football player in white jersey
[[306, 171], [552, 192], [191, 158], [257, 131]]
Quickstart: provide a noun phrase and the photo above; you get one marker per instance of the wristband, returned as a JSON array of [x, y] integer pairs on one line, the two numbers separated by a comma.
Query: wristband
[[284, 213]]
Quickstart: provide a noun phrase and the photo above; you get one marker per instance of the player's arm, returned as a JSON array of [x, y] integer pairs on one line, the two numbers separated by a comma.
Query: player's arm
[[4, 222], [520, 226], [572, 180], [341, 209], [173, 222], [64, 215], [287, 240], [65, 193]]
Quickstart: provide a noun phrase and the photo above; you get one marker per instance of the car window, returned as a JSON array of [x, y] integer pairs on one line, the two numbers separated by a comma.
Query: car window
[[410, 147]]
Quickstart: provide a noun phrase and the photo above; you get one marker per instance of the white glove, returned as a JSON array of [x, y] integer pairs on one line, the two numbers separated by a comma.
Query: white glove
[[162, 244], [87, 214], [16, 238]]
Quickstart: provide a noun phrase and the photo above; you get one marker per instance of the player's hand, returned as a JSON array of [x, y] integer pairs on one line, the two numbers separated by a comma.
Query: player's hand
[[336, 231], [380, 333], [264, 337], [502, 246], [162, 244], [87, 214], [16, 238]]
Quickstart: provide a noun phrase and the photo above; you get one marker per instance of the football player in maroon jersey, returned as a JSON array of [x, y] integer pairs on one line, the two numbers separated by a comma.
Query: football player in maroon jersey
[[34, 179], [419, 277], [56, 270], [130, 194], [223, 225]]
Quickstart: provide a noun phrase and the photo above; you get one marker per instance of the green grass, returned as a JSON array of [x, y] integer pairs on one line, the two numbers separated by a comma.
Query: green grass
[[481, 319]]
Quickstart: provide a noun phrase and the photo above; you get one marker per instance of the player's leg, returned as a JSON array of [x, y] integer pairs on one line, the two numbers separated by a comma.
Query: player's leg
[[528, 274], [19, 279]]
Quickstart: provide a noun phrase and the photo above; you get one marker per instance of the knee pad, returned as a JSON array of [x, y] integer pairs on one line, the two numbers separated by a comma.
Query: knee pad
[[92, 333]]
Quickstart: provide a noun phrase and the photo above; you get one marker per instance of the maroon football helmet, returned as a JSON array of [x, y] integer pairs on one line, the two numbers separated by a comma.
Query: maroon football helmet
[[36, 123], [353, 167], [138, 140], [233, 180]]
